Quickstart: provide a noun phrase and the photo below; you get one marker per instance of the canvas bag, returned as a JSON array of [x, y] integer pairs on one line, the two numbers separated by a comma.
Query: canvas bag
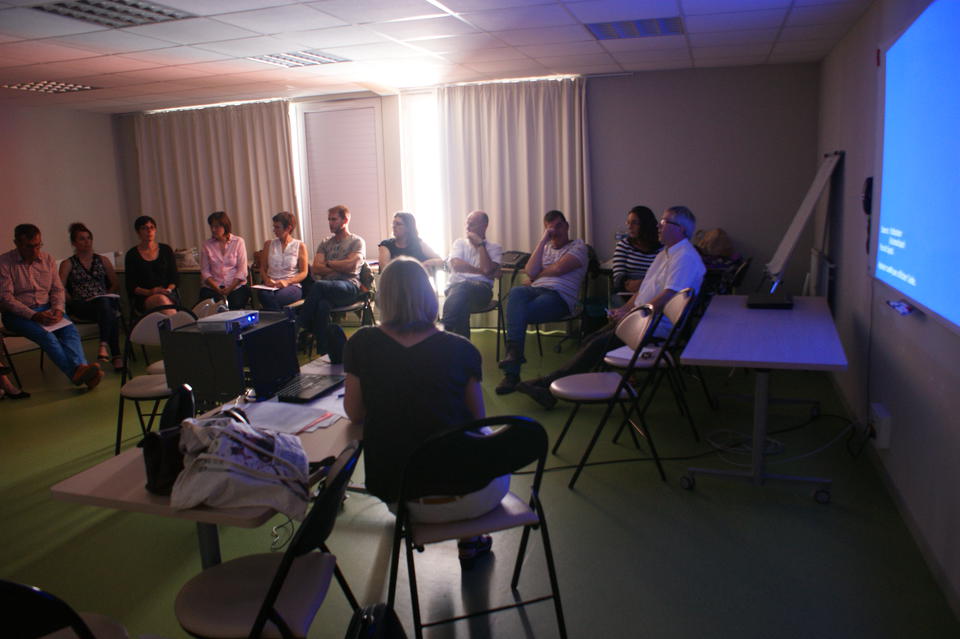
[[232, 464]]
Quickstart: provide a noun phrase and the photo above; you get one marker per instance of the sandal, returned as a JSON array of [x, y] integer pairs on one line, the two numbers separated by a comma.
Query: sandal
[[103, 355], [117, 363], [473, 548]]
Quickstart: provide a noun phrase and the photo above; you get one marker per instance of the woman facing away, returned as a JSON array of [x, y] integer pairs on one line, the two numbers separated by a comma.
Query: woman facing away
[[283, 265], [406, 381], [406, 241], [151, 270], [223, 264], [91, 285]]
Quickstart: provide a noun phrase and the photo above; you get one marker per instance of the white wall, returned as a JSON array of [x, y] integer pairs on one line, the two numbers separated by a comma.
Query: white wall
[[736, 145], [907, 363], [57, 167]]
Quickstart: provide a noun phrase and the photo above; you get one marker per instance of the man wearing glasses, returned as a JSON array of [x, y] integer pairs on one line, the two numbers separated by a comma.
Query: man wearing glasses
[[676, 267], [32, 304]]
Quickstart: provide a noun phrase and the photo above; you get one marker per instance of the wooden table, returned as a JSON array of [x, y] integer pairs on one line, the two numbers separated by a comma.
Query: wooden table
[[732, 335], [119, 482]]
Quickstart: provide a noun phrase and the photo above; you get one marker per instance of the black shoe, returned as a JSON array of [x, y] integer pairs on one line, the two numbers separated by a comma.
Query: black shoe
[[512, 356], [508, 384], [472, 549], [538, 393]]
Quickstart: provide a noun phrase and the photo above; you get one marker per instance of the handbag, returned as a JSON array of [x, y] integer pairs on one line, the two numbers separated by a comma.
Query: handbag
[[162, 459], [232, 464]]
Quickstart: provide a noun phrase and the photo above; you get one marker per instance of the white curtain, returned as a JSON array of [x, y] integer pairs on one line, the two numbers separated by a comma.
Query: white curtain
[[235, 159], [516, 150]]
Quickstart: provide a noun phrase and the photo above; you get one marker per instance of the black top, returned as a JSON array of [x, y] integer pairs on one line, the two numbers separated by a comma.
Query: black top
[[82, 284], [414, 249], [409, 394], [139, 272]]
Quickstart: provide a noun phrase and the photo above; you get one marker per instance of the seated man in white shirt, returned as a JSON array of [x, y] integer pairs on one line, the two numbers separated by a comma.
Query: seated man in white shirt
[[474, 262], [676, 267]]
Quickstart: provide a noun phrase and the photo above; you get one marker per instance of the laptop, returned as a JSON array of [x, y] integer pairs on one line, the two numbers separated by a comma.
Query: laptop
[[271, 357]]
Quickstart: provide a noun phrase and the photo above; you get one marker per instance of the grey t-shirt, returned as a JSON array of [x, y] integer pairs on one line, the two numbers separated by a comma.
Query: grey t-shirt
[[335, 250]]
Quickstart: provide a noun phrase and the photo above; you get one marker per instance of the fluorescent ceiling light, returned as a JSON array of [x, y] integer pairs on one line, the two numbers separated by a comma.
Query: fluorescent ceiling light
[[47, 86], [651, 27], [114, 13], [298, 59]]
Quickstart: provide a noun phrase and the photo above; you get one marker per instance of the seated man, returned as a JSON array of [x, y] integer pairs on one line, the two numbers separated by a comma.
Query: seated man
[[556, 269], [337, 265], [474, 263], [32, 303], [676, 267]]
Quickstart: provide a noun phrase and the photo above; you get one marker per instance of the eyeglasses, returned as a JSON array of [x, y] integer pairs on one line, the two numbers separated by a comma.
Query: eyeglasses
[[666, 221]]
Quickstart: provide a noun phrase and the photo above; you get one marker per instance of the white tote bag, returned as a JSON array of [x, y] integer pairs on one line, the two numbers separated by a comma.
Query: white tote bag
[[231, 464]]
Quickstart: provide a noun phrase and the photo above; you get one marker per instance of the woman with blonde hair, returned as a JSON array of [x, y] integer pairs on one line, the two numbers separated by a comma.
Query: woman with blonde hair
[[407, 380]]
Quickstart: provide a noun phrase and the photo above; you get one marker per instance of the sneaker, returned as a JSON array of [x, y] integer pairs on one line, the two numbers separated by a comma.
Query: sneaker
[[538, 393], [508, 384], [512, 356], [473, 548]]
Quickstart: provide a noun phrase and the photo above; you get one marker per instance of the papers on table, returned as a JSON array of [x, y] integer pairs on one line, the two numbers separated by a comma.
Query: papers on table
[[283, 417], [108, 295]]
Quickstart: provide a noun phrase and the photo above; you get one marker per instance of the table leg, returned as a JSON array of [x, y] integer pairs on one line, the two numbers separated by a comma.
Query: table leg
[[761, 396], [209, 540]]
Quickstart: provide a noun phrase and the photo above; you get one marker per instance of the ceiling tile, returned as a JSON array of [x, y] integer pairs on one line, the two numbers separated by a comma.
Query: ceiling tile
[[736, 21], [824, 14], [334, 37], [26, 52], [244, 47], [30, 23], [484, 55], [462, 6], [651, 57], [613, 10], [293, 17], [375, 10], [176, 55], [721, 38], [634, 44], [735, 61], [191, 31], [815, 32], [821, 47], [565, 49], [381, 51], [571, 63], [703, 53], [468, 42], [657, 66], [520, 37], [112, 41], [213, 7], [520, 18], [693, 7], [525, 65], [412, 29]]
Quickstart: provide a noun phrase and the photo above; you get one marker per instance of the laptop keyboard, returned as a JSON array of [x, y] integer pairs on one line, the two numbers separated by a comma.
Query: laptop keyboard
[[306, 386]]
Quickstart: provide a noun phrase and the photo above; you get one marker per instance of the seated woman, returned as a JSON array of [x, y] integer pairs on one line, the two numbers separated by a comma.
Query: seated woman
[[223, 264], [407, 380], [283, 265], [88, 280], [634, 253], [151, 270], [406, 241]]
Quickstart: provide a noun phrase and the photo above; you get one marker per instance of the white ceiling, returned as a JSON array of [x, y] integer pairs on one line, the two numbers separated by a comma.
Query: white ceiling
[[391, 45]]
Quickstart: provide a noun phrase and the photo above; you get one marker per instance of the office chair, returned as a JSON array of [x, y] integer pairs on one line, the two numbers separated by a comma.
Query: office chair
[[463, 460], [273, 594], [30, 613]]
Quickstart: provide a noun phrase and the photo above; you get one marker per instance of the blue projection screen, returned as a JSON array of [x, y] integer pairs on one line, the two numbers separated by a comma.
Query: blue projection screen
[[918, 243]]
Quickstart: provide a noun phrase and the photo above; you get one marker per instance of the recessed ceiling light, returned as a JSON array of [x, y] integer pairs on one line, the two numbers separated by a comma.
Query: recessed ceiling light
[[47, 86], [298, 59], [648, 28], [114, 13]]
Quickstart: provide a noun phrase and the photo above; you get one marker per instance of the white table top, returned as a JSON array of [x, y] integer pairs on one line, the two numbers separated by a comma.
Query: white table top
[[730, 334]]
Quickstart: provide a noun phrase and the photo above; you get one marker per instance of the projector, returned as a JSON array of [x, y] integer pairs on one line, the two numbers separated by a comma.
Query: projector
[[228, 321]]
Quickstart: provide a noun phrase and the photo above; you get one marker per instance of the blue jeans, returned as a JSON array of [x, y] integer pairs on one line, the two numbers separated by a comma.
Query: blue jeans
[[62, 346], [276, 300], [530, 305], [462, 299], [323, 295]]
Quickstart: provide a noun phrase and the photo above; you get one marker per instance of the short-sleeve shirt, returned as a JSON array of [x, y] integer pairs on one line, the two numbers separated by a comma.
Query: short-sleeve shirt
[[568, 284], [676, 267], [414, 249], [464, 250], [409, 394], [334, 250]]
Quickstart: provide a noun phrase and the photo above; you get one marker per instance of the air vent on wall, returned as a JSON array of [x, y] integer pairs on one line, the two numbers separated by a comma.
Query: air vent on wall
[[47, 86], [648, 28], [298, 59], [114, 13]]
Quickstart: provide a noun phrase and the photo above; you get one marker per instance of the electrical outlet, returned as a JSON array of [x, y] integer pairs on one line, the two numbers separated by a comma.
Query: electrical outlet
[[880, 426]]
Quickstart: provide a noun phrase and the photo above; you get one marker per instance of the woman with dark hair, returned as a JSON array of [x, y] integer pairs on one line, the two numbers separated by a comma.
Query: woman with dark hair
[[223, 264], [283, 265], [406, 381], [635, 252], [151, 270], [91, 287], [406, 241]]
